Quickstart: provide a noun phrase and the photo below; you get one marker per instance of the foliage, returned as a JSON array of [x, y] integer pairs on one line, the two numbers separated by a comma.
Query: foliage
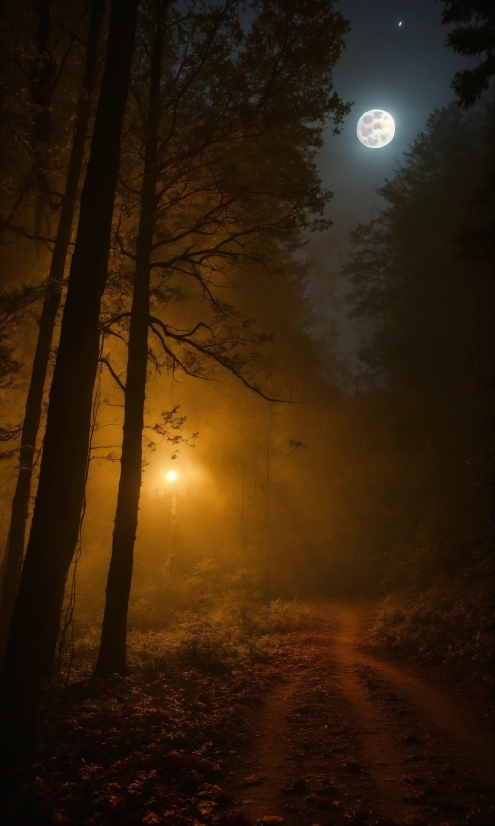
[[41, 54], [13, 304], [154, 747], [422, 283], [441, 585], [151, 748], [241, 115], [473, 35], [451, 624], [214, 619], [406, 273]]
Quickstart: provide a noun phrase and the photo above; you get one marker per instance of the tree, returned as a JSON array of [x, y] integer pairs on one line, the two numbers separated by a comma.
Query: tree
[[229, 145], [32, 416], [13, 304], [432, 338], [39, 58], [473, 35], [35, 620], [112, 648], [434, 354]]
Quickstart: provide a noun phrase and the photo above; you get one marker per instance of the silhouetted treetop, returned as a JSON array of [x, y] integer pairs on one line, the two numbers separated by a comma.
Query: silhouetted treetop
[[410, 277], [473, 35]]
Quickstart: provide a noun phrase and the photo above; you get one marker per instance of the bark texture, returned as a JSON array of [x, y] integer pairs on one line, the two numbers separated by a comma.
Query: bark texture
[[32, 415], [42, 73], [36, 616], [112, 654]]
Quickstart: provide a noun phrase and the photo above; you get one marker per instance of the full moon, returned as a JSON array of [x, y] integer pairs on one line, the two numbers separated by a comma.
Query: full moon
[[375, 128]]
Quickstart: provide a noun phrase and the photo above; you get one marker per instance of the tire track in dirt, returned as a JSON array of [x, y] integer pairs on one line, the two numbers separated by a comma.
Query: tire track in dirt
[[474, 747], [350, 739], [380, 751], [263, 786]]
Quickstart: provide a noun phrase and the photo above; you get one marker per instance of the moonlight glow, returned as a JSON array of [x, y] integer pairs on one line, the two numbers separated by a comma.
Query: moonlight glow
[[171, 476], [375, 128]]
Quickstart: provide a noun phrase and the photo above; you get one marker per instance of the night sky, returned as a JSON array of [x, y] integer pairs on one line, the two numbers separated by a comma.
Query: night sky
[[405, 70]]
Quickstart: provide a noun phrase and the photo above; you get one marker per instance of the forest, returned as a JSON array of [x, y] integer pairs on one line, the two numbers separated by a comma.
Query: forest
[[211, 501]]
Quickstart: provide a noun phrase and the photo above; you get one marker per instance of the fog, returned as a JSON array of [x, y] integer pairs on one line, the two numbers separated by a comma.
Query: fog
[[246, 418]]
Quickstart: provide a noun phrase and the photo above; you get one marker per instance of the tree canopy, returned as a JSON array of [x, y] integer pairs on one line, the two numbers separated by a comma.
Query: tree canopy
[[472, 35]]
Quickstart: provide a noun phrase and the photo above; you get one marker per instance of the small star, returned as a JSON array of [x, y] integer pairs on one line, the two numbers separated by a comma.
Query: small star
[[400, 23]]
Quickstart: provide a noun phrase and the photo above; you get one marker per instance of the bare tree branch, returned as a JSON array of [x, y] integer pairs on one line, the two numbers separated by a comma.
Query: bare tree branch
[[112, 373], [201, 348]]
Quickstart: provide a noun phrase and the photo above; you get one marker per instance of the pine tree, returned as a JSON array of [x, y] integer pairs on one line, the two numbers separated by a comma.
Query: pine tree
[[473, 35]]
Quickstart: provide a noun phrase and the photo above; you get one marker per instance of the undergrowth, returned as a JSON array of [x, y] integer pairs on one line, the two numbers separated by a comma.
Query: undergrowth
[[210, 621], [441, 586], [154, 746], [437, 626], [449, 623]]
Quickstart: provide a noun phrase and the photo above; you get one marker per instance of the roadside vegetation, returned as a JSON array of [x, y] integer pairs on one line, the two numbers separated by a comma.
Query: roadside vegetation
[[156, 746]]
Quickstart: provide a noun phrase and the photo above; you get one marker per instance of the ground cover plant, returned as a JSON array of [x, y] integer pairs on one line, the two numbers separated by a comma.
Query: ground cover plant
[[439, 626], [156, 746], [246, 476]]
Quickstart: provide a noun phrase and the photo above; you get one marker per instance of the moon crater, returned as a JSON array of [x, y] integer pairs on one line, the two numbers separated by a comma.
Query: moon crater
[[375, 128]]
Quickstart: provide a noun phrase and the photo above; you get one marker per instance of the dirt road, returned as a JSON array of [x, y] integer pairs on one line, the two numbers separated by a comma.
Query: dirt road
[[348, 737]]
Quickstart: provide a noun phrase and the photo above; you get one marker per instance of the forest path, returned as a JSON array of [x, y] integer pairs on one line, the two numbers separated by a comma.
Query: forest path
[[348, 737], [474, 745]]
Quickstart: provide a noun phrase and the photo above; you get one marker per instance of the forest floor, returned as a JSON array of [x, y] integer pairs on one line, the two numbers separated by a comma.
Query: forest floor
[[327, 731], [351, 737]]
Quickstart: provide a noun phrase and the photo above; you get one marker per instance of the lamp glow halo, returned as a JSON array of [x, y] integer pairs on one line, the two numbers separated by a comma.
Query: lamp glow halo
[[375, 128]]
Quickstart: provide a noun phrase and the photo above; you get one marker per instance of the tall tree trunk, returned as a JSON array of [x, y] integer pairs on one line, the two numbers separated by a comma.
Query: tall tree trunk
[[32, 416], [42, 73], [36, 616], [112, 654]]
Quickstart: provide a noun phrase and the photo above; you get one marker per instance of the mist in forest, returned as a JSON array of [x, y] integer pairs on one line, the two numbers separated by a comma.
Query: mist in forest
[[208, 416]]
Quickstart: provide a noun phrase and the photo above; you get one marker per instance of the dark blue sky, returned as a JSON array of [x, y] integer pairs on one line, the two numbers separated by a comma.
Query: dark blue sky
[[405, 70]]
